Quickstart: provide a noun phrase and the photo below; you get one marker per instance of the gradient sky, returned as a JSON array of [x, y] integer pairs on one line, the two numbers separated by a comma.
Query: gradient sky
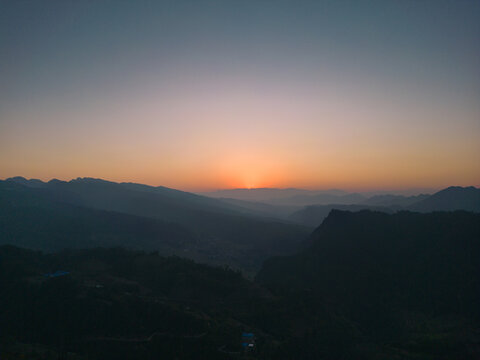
[[202, 95]]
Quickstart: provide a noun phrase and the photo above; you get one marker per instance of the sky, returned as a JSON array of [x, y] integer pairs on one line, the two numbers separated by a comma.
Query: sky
[[202, 95]]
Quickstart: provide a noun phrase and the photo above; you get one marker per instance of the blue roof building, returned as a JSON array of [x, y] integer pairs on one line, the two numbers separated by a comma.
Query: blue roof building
[[56, 274]]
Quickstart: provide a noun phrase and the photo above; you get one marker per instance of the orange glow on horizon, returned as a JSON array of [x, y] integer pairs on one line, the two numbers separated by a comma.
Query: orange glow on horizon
[[218, 140], [243, 95]]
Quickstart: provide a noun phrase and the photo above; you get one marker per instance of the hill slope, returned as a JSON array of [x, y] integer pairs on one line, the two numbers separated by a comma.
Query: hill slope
[[370, 286], [220, 235], [408, 281], [29, 219], [118, 304]]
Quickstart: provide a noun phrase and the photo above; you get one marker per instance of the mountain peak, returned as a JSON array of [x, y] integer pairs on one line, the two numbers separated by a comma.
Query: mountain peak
[[36, 183], [91, 180], [451, 198]]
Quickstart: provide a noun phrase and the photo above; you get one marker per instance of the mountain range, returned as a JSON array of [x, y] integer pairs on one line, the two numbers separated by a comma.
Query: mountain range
[[301, 197], [449, 199], [88, 212], [218, 232]]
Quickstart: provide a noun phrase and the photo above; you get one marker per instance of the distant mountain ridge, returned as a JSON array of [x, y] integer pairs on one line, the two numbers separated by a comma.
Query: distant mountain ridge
[[269, 195], [259, 200], [394, 200], [223, 233], [449, 199], [29, 219], [321, 199], [36, 183], [300, 197], [305, 207], [159, 190]]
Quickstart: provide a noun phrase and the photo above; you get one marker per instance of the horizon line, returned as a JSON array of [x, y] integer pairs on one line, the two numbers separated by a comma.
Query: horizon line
[[213, 190]]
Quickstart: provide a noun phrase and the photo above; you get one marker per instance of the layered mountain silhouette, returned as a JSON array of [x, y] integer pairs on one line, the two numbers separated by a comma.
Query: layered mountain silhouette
[[286, 197], [452, 198], [300, 197], [321, 199], [89, 212], [449, 199], [208, 230], [33, 220], [398, 201]]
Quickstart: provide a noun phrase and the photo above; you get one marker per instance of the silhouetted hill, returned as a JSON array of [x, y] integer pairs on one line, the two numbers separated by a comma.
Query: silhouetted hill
[[32, 220], [73, 187], [35, 183], [449, 199], [406, 282], [313, 215], [222, 235], [193, 200]]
